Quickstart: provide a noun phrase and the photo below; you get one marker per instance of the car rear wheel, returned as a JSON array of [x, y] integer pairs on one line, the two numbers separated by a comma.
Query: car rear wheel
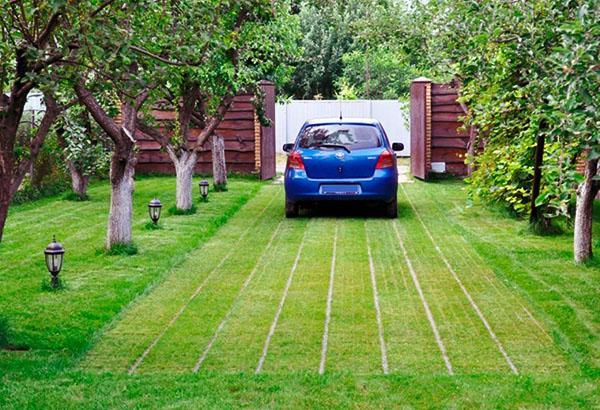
[[391, 208], [291, 209]]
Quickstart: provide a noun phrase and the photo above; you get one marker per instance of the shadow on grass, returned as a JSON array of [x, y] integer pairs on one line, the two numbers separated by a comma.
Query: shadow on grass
[[349, 209]]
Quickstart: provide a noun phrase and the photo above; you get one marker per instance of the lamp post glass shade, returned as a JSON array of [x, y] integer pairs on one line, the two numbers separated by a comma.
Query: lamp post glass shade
[[154, 208], [204, 188], [54, 253]]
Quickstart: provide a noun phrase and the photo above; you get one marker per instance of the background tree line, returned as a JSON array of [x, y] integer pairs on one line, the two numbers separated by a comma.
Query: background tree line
[[528, 70], [529, 74]]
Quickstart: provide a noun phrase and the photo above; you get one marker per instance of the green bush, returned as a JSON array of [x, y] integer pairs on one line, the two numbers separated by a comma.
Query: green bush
[[28, 192]]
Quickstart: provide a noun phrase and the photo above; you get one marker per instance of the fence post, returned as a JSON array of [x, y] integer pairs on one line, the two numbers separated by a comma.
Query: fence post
[[267, 134], [420, 127]]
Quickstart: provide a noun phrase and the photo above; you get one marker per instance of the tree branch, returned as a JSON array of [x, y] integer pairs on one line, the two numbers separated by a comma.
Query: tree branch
[[42, 40], [153, 133], [102, 118], [52, 112], [165, 60], [101, 7]]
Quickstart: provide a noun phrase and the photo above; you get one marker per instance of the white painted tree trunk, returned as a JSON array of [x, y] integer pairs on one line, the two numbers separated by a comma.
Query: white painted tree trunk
[[586, 193], [218, 162], [79, 182], [185, 165], [121, 202]]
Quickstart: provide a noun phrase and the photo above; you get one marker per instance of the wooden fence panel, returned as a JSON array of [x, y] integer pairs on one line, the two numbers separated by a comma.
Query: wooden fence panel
[[419, 90], [249, 147], [437, 134]]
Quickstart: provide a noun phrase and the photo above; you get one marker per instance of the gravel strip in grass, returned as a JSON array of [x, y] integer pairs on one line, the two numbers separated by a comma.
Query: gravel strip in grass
[[325, 340], [353, 336], [139, 326], [384, 359], [527, 348], [236, 300], [284, 296], [467, 294], [430, 319], [178, 349], [242, 338]]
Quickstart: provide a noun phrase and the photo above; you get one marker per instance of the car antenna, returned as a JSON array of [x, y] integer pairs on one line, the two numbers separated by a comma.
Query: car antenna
[[341, 99]]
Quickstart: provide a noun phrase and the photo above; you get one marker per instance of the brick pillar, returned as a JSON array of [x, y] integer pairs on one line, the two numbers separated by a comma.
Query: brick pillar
[[267, 134], [420, 127]]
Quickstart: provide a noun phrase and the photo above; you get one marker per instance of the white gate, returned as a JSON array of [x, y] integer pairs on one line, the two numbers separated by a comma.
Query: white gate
[[392, 114]]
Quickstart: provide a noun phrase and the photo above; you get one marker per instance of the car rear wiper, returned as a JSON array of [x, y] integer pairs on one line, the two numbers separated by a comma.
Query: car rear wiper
[[331, 146]]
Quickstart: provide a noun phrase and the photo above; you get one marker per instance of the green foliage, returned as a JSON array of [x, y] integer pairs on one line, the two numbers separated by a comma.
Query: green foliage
[[326, 38], [84, 143], [346, 91], [176, 211], [526, 70], [28, 192]]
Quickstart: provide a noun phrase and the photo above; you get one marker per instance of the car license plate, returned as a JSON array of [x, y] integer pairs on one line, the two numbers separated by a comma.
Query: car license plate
[[340, 189]]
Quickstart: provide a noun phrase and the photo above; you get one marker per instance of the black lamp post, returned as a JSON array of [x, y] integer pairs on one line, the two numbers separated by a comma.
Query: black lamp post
[[54, 253], [204, 189], [154, 208]]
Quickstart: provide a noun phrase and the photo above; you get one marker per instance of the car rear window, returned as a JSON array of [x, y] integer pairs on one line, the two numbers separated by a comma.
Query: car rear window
[[351, 136]]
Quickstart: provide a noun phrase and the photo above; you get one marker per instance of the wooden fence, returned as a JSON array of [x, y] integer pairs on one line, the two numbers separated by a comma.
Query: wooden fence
[[249, 146], [438, 144]]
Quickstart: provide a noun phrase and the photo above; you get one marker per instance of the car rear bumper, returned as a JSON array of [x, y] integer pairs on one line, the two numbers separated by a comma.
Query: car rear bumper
[[382, 186]]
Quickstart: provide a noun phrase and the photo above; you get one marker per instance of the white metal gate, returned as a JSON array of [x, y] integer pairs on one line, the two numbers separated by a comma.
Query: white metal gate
[[392, 114]]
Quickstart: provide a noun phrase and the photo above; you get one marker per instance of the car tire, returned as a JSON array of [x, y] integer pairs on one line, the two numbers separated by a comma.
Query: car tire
[[291, 209], [391, 208]]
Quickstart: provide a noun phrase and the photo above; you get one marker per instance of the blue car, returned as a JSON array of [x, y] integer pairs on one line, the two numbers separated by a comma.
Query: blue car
[[341, 160]]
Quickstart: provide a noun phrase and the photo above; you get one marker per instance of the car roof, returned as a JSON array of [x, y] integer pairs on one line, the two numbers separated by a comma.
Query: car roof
[[365, 121]]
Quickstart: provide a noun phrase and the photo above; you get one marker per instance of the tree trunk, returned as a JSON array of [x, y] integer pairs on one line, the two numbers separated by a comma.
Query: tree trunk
[[534, 216], [586, 193], [79, 182], [6, 185], [122, 170], [185, 165], [218, 162], [5, 196]]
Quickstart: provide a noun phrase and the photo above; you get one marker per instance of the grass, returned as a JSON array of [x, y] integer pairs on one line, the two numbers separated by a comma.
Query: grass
[[217, 302], [176, 211], [121, 249]]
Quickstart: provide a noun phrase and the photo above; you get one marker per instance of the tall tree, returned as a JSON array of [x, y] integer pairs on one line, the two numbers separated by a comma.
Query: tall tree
[[530, 77], [36, 36], [112, 64], [241, 43]]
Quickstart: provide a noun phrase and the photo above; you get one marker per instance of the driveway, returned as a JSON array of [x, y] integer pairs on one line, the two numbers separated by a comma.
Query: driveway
[[320, 294]]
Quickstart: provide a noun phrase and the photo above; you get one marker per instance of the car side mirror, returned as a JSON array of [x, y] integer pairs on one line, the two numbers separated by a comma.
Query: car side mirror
[[288, 147], [397, 146]]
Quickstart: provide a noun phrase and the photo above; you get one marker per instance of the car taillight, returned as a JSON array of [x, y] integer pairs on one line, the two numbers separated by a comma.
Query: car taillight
[[295, 161], [386, 160]]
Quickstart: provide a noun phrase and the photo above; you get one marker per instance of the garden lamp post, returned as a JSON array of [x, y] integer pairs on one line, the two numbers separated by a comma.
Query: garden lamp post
[[204, 189], [54, 253], [154, 208]]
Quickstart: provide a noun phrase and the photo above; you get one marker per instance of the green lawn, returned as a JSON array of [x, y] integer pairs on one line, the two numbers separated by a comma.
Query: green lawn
[[447, 306]]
